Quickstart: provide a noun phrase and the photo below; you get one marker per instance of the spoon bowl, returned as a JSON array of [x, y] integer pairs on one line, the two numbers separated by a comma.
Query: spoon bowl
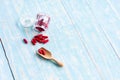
[[47, 55]]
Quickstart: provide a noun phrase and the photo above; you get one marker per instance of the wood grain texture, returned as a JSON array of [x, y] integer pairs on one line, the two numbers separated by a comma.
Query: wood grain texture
[[84, 35]]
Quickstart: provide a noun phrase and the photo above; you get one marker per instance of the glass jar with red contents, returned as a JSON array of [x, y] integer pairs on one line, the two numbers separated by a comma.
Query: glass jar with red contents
[[41, 23]]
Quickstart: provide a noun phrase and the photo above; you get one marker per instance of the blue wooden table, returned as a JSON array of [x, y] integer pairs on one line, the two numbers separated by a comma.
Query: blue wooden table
[[83, 34]]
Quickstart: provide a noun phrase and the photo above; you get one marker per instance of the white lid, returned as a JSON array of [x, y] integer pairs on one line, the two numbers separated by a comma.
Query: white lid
[[27, 21]]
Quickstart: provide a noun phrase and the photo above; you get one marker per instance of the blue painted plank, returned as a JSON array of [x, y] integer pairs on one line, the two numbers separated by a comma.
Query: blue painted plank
[[94, 39], [108, 21], [108, 18], [5, 73]]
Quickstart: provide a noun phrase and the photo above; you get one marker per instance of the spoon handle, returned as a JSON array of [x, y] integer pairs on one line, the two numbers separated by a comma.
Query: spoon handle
[[59, 63]]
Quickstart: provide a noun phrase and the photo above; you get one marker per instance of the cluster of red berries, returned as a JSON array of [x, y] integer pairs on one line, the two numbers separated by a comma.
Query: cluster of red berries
[[40, 26], [40, 38]]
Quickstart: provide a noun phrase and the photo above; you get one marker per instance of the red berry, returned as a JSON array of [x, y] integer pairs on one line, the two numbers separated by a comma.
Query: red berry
[[41, 51], [25, 41], [33, 41], [39, 29], [38, 40], [45, 41], [44, 37], [40, 22]]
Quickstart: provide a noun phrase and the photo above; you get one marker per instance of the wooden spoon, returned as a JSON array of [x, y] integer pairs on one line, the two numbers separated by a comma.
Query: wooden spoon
[[47, 55]]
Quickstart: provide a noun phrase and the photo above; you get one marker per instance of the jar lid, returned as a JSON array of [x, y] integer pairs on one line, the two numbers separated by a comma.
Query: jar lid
[[27, 21]]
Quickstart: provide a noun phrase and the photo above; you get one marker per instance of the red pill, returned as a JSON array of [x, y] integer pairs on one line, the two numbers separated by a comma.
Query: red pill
[[41, 51], [33, 41], [39, 29], [25, 41], [45, 41], [40, 22], [38, 40], [44, 37]]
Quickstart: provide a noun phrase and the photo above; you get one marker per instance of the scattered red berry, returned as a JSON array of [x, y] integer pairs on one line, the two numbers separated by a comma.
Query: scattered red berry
[[33, 41], [25, 41], [39, 29], [41, 51]]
